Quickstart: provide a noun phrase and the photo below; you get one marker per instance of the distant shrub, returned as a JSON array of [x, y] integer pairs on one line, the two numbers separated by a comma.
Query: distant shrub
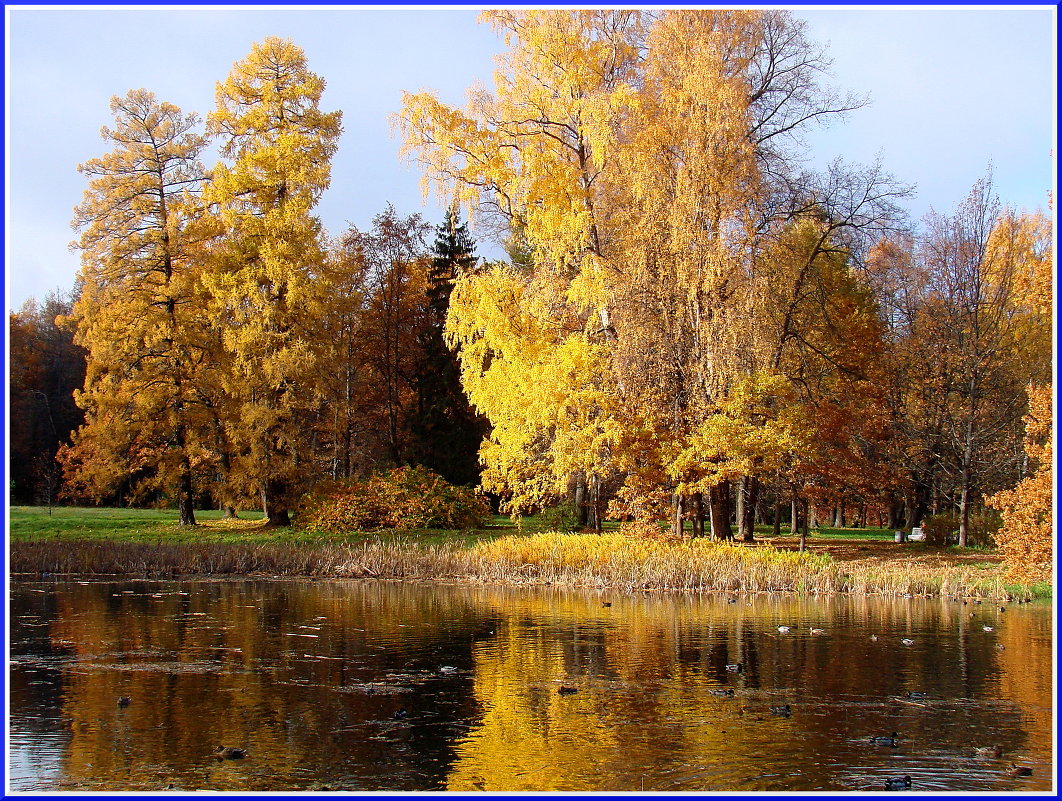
[[563, 517], [407, 497], [647, 530], [944, 529]]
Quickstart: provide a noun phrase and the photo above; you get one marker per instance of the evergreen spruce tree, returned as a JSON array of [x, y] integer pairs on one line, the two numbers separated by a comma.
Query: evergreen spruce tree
[[446, 431]]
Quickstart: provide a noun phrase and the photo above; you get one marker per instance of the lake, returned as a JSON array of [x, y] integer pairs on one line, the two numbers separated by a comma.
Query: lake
[[354, 685]]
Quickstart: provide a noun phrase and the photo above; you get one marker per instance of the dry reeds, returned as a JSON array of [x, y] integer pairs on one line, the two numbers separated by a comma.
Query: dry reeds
[[588, 560]]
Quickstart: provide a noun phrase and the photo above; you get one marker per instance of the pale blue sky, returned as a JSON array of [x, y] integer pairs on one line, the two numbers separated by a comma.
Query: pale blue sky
[[952, 91]]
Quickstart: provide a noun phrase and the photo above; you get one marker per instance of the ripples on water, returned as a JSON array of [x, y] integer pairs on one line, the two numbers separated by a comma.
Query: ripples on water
[[382, 686]]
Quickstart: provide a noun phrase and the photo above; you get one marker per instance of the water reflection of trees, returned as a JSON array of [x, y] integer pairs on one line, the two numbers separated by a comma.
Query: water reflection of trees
[[220, 665], [647, 699], [309, 676]]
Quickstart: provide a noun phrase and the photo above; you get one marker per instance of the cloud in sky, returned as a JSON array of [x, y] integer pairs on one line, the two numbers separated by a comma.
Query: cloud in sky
[[952, 90]]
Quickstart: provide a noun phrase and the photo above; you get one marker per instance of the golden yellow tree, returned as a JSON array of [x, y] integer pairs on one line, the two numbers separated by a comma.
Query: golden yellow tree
[[1021, 245], [139, 313], [266, 257], [645, 160]]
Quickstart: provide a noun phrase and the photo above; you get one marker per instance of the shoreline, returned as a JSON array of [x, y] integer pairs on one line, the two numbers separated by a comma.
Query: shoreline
[[577, 561]]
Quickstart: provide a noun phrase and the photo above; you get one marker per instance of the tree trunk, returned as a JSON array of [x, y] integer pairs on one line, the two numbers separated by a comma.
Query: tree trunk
[[185, 492], [794, 514], [747, 497], [580, 499], [894, 514], [186, 498], [719, 501], [964, 509], [677, 504], [777, 532], [804, 528], [276, 511], [595, 499], [698, 514]]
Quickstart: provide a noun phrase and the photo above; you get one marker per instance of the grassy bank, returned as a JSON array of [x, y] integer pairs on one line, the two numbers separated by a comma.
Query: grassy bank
[[150, 543]]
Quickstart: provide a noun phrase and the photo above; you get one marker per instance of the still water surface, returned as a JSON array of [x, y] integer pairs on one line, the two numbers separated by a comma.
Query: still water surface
[[348, 685]]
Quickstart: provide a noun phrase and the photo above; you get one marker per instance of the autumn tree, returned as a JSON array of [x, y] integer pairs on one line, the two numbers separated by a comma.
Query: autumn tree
[[45, 369], [444, 429], [992, 347], [392, 258], [645, 161], [347, 425], [266, 257], [1026, 538], [964, 339], [139, 316]]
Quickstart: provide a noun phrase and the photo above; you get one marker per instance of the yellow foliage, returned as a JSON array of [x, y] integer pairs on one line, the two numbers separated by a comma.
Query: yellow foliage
[[267, 257], [1026, 538], [619, 145], [139, 314], [752, 433]]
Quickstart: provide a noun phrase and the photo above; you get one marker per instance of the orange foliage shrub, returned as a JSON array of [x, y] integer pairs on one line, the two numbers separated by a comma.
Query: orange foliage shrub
[[1026, 538], [647, 530], [407, 497]]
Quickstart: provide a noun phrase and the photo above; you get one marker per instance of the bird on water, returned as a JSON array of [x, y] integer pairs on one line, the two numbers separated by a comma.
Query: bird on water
[[885, 740]]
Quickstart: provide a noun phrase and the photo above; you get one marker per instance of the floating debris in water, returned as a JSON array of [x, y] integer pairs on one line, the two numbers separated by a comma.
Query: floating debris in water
[[567, 690]]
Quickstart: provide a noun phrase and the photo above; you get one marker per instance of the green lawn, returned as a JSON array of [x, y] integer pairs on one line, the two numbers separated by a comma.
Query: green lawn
[[34, 523], [160, 525]]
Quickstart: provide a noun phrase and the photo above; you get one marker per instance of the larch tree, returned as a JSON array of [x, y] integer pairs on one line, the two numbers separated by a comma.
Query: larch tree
[[138, 315], [278, 144], [645, 161]]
